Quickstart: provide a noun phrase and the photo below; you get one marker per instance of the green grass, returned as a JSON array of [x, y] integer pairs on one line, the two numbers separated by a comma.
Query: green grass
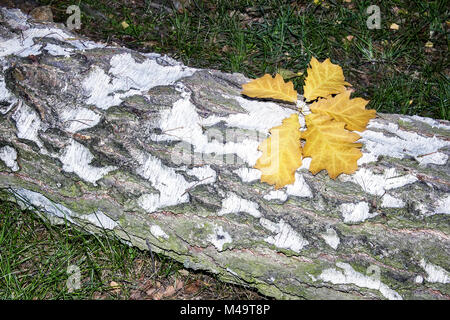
[[392, 68]]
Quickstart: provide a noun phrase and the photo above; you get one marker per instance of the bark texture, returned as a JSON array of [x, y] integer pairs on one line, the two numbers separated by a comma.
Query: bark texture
[[148, 149]]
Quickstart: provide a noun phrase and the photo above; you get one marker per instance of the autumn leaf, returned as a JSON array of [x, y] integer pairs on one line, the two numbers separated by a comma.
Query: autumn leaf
[[282, 154], [330, 146], [323, 80], [341, 108], [268, 87]]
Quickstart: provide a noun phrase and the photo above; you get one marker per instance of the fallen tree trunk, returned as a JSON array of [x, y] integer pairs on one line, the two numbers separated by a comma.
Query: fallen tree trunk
[[140, 145]]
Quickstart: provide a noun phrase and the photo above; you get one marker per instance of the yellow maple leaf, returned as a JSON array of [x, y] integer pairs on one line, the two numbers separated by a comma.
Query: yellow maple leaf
[[324, 78], [282, 153], [341, 108], [330, 146], [268, 87]]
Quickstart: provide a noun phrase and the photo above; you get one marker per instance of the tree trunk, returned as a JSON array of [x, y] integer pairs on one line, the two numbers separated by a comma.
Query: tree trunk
[[151, 150]]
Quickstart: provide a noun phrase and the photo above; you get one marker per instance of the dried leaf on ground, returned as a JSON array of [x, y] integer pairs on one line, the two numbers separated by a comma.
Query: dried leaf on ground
[[169, 291], [323, 79], [179, 284], [394, 26], [288, 74], [150, 291]]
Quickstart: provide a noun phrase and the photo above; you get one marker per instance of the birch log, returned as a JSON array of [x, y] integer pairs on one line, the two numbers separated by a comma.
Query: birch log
[[150, 150]]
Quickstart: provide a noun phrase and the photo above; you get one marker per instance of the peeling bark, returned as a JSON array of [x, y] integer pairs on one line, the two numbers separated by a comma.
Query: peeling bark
[[138, 144]]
